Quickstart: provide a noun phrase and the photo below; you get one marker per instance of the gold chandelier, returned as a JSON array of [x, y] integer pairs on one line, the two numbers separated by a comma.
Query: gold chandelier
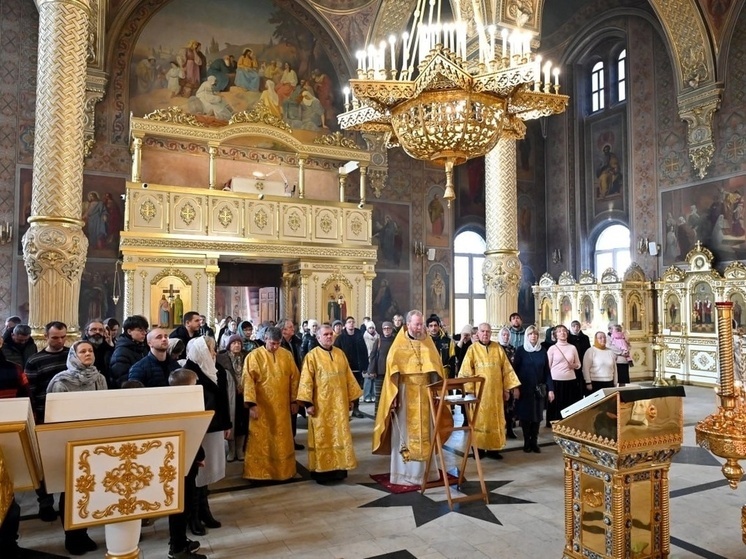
[[455, 109]]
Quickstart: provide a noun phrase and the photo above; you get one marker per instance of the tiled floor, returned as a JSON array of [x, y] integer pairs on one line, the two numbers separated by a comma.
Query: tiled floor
[[359, 519]]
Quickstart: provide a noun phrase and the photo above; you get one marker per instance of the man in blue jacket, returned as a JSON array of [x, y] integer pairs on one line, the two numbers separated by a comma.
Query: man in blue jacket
[[153, 369]]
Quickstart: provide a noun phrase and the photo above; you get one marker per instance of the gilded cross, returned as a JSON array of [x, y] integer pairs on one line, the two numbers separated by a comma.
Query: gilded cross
[[171, 292]]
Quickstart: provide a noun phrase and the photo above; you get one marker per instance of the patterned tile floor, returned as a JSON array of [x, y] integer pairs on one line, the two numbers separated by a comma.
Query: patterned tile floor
[[360, 519]]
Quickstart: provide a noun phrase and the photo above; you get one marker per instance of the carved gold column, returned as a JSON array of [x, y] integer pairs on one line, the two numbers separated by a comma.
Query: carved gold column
[[304, 295], [136, 159], [363, 183], [302, 177], [502, 268], [342, 185], [212, 272], [369, 275], [213, 151], [54, 247]]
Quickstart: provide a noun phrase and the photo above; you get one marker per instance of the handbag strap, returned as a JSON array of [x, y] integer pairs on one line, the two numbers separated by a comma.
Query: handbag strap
[[569, 365]]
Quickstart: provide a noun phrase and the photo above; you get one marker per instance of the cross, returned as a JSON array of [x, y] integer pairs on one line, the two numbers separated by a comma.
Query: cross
[[170, 292]]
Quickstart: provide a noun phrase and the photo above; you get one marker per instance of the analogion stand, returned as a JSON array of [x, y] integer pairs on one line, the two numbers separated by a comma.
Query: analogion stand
[[443, 397]]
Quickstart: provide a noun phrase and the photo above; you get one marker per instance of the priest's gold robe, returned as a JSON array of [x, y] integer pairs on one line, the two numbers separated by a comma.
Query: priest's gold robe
[[270, 380], [492, 364], [414, 364], [327, 382]]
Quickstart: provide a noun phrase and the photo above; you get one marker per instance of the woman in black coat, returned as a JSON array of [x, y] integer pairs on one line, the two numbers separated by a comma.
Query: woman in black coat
[[532, 368], [213, 379]]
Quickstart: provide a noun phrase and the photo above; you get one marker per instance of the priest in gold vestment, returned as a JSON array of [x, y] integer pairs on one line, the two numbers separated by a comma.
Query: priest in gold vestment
[[327, 389], [270, 382], [487, 359], [403, 419]]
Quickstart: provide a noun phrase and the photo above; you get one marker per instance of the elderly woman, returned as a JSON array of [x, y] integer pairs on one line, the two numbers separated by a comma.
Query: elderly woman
[[563, 361], [213, 379], [599, 365], [532, 368], [80, 376], [232, 360], [503, 338]]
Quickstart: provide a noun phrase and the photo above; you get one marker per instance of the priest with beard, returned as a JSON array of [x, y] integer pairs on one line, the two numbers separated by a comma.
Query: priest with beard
[[328, 390], [403, 424]]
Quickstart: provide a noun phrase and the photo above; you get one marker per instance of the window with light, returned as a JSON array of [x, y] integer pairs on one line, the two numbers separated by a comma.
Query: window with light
[[597, 87], [470, 305], [612, 249], [621, 66]]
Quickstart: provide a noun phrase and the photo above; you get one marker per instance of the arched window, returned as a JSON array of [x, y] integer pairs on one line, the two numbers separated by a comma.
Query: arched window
[[621, 70], [612, 249], [597, 87], [470, 306]]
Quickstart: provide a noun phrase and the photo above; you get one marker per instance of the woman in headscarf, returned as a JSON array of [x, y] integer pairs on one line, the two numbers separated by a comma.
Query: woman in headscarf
[[503, 339], [599, 365], [232, 359], [531, 366], [80, 376], [563, 361], [213, 379]]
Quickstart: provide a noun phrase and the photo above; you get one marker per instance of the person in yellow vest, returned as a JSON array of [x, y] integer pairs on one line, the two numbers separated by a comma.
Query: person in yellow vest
[[487, 359], [328, 390], [270, 389], [403, 425]]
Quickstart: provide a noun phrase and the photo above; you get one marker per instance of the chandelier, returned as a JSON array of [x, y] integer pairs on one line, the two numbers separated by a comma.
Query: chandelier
[[455, 108]]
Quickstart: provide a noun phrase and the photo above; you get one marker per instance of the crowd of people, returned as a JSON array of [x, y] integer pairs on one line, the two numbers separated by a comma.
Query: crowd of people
[[258, 381]]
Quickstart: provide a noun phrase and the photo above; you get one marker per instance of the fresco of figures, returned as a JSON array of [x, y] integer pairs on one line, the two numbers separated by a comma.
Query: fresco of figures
[[215, 59]]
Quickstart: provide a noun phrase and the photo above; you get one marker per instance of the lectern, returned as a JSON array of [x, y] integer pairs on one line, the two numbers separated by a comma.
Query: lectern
[[618, 450], [121, 456], [20, 467]]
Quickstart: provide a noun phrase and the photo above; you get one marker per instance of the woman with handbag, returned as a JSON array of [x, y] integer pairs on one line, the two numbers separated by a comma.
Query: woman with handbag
[[532, 368], [563, 361]]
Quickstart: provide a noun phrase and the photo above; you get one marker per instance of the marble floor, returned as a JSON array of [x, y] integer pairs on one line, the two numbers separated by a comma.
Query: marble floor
[[360, 519]]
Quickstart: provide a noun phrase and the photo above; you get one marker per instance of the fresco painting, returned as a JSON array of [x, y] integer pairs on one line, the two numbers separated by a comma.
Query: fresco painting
[[712, 213], [215, 59]]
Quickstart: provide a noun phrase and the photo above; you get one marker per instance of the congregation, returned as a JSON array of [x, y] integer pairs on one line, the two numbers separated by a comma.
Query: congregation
[[258, 381]]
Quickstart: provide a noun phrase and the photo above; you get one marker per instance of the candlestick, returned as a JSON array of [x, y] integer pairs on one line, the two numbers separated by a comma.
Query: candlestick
[[392, 44], [492, 30], [504, 34], [556, 76], [547, 68], [346, 91]]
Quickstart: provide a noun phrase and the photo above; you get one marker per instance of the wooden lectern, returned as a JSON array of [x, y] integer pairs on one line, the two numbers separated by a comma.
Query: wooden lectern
[[121, 456], [618, 449], [444, 395], [20, 466]]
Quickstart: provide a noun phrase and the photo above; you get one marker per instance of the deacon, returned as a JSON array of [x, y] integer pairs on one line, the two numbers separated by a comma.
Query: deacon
[[328, 390], [270, 388], [488, 360], [403, 426]]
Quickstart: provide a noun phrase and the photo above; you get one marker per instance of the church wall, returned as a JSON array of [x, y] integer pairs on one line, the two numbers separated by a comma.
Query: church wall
[[19, 23]]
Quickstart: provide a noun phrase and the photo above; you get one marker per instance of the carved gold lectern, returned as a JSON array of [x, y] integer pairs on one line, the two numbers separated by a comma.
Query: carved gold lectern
[[618, 451], [121, 456], [20, 467]]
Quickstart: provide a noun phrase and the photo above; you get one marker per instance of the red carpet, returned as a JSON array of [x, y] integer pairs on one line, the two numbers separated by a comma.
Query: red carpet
[[384, 479]]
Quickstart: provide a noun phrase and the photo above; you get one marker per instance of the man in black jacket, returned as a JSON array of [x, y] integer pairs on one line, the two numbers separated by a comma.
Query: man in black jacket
[[189, 330], [291, 342], [155, 368], [352, 343], [129, 349], [19, 346]]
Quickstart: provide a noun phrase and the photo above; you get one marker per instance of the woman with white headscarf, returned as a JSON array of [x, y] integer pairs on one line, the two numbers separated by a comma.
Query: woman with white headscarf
[[212, 377], [80, 376], [531, 366]]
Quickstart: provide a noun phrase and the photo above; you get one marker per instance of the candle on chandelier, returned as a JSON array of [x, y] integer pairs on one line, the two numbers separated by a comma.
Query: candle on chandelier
[[547, 68], [504, 34], [361, 60], [556, 73], [392, 44], [346, 91], [405, 54], [492, 30], [537, 72]]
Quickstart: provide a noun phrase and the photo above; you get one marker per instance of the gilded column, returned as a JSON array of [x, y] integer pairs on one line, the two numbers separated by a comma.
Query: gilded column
[[213, 152], [210, 310], [301, 177], [363, 183], [369, 275], [136, 159], [54, 247], [304, 295], [502, 268]]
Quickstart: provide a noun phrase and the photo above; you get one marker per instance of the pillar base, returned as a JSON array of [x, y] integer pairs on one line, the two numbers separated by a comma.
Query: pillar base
[[122, 539]]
